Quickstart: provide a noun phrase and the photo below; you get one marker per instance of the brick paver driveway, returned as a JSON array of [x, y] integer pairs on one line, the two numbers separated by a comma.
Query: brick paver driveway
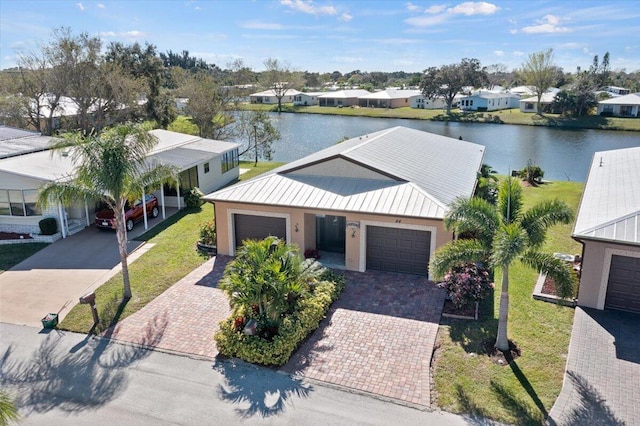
[[602, 380], [377, 338]]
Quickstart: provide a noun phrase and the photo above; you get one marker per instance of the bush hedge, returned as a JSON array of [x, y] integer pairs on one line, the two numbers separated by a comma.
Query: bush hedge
[[232, 342], [48, 226], [192, 198]]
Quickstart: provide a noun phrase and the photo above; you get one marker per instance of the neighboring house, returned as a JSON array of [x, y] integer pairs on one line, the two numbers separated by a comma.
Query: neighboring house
[[25, 166], [608, 226], [389, 98], [522, 91], [615, 90], [421, 102], [531, 104], [306, 98], [342, 98], [269, 97], [377, 201], [489, 101], [622, 106]]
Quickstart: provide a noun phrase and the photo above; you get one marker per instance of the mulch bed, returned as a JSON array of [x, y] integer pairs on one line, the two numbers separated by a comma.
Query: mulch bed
[[450, 308], [549, 286], [14, 236]]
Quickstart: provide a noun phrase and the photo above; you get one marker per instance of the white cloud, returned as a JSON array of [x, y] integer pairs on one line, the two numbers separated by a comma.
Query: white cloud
[[513, 31], [106, 34], [548, 24], [498, 52], [134, 33], [426, 21], [80, 6], [126, 34], [412, 7], [570, 46], [518, 53], [100, 6], [435, 9], [346, 17], [309, 7], [474, 8], [261, 26]]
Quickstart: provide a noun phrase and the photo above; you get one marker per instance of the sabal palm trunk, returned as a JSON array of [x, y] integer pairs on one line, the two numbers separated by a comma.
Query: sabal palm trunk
[[502, 342]]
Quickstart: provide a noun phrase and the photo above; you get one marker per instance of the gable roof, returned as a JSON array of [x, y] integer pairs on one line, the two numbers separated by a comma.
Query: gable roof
[[270, 92], [610, 205], [416, 176], [630, 99], [18, 142], [392, 94], [547, 97]]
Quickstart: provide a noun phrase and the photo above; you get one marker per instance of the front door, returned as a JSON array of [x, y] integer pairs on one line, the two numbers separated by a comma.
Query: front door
[[330, 233]]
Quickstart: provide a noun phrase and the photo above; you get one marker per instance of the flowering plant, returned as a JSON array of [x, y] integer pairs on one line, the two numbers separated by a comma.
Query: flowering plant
[[466, 284], [208, 233]]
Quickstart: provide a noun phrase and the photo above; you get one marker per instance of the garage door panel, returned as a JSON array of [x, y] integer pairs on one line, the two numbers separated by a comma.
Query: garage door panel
[[250, 227], [623, 289], [398, 250]]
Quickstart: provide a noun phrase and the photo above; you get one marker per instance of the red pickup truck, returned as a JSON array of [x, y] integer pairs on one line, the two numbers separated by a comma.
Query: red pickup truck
[[133, 214]]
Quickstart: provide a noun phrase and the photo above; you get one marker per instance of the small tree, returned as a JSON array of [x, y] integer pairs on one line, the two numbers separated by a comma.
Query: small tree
[[257, 129], [532, 173], [279, 77], [539, 71]]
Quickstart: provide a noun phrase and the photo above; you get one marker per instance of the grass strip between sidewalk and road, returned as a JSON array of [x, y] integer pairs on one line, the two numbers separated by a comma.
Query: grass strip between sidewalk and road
[[171, 258], [468, 381]]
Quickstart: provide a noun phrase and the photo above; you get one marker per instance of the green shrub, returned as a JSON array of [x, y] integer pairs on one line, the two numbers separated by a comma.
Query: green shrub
[[192, 198], [294, 328], [208, 233], [532, 173], [48, 226]]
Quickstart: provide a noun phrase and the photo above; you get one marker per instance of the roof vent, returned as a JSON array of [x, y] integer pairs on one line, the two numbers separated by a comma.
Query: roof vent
[[65, 153], [601, 162]]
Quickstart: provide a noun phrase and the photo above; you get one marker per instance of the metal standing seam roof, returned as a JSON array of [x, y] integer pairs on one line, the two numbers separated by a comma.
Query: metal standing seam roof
[[342, 94], [428, 171], [392, 94], [18, 142], [610, 205], [631, 99]]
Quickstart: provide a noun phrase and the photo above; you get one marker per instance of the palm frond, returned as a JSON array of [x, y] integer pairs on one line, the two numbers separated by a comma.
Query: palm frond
[[456, 253], [510, 199], [561, 272], [475, 216], [510, 242], [537, 220], [65, 192]]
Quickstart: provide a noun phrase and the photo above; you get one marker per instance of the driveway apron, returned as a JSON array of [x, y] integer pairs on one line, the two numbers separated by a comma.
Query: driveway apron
[[602, 379], [378, 338]]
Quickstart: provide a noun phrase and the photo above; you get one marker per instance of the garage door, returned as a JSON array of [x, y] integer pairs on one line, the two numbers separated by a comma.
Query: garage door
[[398, 250], [249, 227], [623, 291]]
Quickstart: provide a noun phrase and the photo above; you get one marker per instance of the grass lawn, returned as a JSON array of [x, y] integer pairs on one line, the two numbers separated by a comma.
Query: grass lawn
[[172, 257], [509, 116], [466, 381], [12, 254]]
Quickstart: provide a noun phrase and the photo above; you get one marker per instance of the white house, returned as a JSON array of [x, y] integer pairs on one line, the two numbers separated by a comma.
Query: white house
[[616, 90], [421, 102], [621, 106], [269, 97], [25, 166], [342, 98], [389, 98], [531, 104], [306, 98], [489, 101]]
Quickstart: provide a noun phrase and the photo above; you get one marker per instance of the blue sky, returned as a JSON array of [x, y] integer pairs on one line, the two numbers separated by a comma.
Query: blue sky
[[324, 35]]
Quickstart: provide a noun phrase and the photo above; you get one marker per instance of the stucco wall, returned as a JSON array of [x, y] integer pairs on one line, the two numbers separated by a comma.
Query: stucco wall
[[355, 237], [595, 270]]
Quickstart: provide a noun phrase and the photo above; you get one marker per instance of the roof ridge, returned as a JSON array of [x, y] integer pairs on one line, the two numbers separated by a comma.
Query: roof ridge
[[367, 140]]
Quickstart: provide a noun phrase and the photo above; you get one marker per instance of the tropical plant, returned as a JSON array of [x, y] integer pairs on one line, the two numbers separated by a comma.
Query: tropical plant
[[487, 187], [111, 167], [208, 233], [8, 411], [499, 235], [466, 284], [267, 278], [193, 198], [532, 173]]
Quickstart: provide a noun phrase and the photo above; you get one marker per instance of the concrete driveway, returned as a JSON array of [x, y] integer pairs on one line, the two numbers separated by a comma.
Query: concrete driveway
[[53, 279], [602, 379]]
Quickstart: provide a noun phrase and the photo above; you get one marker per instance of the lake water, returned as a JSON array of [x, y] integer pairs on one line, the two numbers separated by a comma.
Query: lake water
[[562, 154]]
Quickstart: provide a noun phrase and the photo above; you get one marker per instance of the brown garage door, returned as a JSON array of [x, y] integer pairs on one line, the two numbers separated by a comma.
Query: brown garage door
[[398, 250], [623, 291], [249, 227]]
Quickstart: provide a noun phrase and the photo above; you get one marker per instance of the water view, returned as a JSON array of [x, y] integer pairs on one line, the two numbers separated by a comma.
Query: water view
[[562, 154]]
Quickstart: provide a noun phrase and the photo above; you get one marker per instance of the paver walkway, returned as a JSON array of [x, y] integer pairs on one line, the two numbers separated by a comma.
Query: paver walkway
[[602, 379], [377, 338], [184, 318]]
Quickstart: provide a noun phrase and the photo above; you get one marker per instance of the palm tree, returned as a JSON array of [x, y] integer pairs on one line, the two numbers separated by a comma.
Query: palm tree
[[112, 167], [498, 235], [268, 275], [8, 411]]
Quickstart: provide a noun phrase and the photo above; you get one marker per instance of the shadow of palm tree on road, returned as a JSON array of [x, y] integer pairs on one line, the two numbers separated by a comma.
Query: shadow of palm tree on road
[[86, 376], [258, 391]]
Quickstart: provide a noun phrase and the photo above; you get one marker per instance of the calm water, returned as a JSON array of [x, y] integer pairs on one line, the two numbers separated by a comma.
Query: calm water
[[562, 154]]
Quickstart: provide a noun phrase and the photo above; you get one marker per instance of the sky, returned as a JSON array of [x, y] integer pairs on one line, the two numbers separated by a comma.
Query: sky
[[325, 36]]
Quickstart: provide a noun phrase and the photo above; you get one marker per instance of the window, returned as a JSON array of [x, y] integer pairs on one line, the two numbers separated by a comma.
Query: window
[[528, 105], [229, 160], [188, 180], [206, 167], [16, 202]]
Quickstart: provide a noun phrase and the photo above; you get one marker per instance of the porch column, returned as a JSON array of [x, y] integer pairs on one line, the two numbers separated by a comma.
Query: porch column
[[178, 192], [86, 212], [164, 215], [62, 221], [144, 209]]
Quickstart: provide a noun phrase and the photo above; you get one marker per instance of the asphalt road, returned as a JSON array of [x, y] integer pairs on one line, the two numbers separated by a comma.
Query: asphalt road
[[66, 378]]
